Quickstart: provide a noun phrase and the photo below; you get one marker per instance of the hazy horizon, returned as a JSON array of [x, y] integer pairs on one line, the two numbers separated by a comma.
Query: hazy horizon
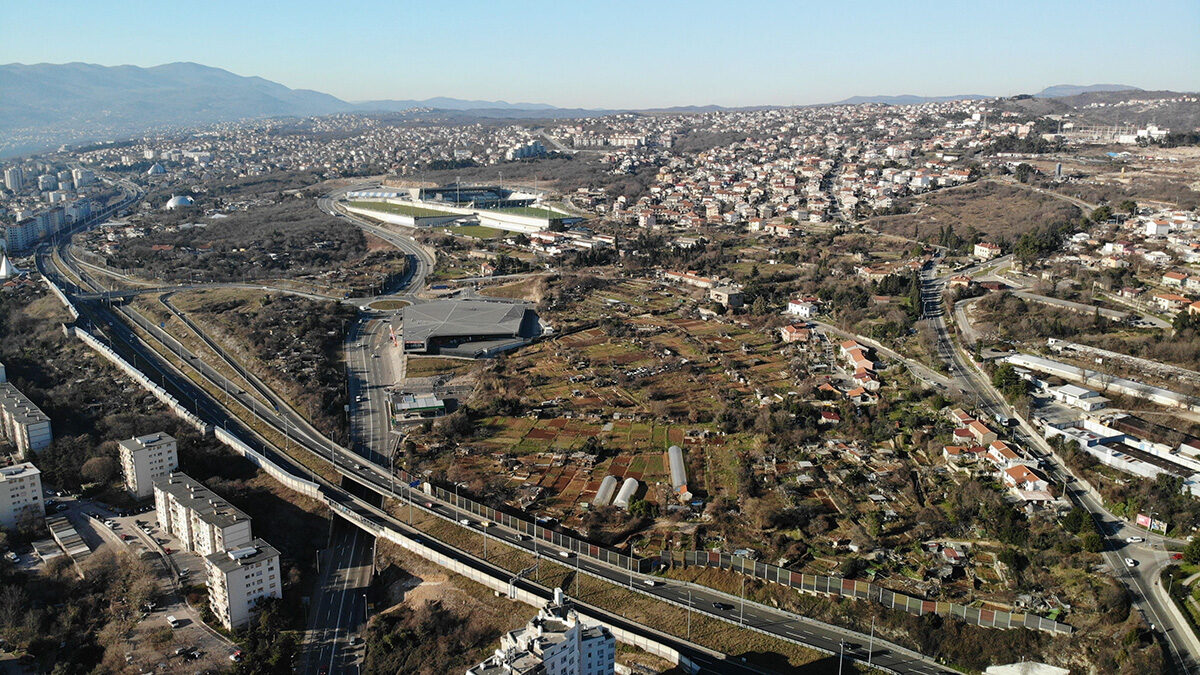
[[622, 55]]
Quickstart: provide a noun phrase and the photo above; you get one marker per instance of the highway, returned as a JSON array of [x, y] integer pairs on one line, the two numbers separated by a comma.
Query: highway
[[338, 613], [370, 374], [1140, 580], [380, 480], [369, 358]]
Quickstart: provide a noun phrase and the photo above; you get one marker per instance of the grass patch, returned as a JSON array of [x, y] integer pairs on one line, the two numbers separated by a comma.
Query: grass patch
[[532, 212], [476, 231], [431, 366], [402, 209], [388, 304]]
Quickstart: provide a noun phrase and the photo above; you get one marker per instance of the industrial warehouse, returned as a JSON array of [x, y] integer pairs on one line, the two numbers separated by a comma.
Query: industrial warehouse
[[471, 328]]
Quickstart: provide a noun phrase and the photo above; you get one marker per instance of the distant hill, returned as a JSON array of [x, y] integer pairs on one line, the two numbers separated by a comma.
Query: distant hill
[[174, 93], [907, 99], [1061, 90], [443, 103], [44, 105]]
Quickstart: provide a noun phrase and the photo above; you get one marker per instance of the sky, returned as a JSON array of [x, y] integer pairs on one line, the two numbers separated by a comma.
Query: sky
[[619, 54]]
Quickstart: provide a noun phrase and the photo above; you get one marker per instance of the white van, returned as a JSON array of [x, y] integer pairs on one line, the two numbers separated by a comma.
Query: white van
[[172, 621]]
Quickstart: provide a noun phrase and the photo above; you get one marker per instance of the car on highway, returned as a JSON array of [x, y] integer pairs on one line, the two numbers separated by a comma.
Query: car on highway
[[465, 522], [723, 606], [651, 582], [1134, 540], [564, 554], [1130, 562]]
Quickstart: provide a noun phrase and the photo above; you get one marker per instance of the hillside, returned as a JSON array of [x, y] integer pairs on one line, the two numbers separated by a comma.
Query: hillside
[[996, 211]]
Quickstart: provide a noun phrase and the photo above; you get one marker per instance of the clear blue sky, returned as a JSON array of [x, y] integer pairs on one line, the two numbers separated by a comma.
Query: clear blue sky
[[631, 54]]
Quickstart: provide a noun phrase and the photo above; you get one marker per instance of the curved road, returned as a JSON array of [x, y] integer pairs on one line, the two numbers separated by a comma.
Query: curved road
[[1141, 579]]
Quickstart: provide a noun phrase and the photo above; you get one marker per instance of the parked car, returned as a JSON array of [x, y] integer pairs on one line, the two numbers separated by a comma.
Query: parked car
[[1134, 540], [173, 622], [1130, 562]]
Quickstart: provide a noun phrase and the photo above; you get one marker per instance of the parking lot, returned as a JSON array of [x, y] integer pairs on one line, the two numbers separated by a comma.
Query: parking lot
[[153, 645]]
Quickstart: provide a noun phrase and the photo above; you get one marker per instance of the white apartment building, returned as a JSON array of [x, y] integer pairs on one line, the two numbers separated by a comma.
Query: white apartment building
[[201, 520], [145, 460], [554, 642], [239, 578], [21, 422], [20, 493]]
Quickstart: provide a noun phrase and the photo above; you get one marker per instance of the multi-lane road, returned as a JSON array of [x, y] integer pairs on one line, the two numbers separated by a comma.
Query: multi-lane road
[[376, 476], [338, 611]]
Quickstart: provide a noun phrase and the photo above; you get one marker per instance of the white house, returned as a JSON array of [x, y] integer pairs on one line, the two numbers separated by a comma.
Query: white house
[[802, 309]]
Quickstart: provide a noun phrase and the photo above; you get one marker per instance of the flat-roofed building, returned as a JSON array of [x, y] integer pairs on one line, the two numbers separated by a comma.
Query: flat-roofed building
[[239, 578], [201, 520], [20, 494], [467, 327], [147, 459], [555, 642], [23, 423]]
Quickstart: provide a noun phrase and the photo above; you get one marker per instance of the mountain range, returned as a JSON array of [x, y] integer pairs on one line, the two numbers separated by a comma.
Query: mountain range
[[44, 105]]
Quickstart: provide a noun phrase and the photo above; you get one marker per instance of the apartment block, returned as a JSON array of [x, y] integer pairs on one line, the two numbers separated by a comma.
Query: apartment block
[[145, 460], [200, 519], [239, 578], [20, 493], [555, 642], [22, 423]]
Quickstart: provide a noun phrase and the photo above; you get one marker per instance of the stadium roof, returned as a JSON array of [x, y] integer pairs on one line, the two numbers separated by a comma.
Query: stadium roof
[[462, 318]]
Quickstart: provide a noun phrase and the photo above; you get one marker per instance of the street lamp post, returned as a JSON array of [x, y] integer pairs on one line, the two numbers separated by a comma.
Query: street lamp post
[[689, 628], [871, 645], [742, 611]]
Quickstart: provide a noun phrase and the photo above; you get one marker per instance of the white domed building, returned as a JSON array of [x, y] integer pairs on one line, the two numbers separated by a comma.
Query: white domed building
[[178, 201]]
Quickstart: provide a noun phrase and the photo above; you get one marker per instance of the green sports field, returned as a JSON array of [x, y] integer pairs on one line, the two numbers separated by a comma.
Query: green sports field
[[401, 209]]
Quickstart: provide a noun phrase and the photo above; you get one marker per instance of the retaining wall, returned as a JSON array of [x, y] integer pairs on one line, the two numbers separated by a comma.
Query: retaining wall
[[62, 297], [642, 642], [137, 375], [290, 480]]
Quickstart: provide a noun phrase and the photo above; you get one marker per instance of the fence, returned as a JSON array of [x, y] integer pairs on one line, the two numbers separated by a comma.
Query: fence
[[531, 529], [862, 590]]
